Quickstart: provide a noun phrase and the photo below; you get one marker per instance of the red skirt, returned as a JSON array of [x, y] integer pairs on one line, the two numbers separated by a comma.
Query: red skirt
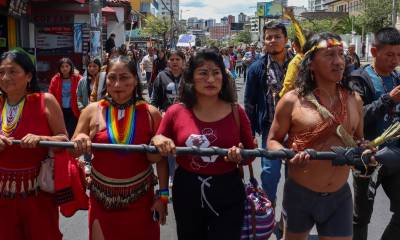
[[132, 222]]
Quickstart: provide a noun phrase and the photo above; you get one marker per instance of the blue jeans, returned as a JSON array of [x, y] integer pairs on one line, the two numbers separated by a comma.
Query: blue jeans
[[270, 174]]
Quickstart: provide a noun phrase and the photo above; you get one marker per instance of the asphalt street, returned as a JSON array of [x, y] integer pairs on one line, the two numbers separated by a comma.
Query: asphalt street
[[76, 227]]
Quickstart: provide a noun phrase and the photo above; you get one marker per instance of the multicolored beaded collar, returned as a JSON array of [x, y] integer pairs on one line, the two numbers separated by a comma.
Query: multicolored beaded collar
[[120, 121]]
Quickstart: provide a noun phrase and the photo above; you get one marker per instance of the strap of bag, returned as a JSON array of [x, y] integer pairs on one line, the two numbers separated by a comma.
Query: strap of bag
[[235, 112]]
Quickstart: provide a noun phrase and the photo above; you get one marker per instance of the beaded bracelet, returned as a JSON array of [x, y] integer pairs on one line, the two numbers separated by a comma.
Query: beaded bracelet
[[163, 195]]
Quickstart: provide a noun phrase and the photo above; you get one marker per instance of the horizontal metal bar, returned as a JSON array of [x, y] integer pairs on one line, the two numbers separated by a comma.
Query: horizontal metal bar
[[246, 153]]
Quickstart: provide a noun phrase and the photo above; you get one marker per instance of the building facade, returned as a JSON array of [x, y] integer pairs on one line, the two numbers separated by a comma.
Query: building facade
[[242, 17], [353, 7], [220, 31], [166, 6], [317, 5]]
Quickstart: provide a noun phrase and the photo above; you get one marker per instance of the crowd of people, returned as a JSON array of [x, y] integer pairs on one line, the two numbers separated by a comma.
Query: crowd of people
[[315, 94]]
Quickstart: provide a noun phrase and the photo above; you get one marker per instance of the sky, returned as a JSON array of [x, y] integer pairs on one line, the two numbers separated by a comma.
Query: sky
[[219, 8]]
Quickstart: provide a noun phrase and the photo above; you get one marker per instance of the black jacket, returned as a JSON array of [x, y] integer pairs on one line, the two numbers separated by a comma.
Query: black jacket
[[165, 89], [374, 109]]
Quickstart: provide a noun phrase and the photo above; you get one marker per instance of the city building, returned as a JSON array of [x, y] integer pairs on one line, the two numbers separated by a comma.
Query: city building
[[353, 7], [166, 6], [284, 2], [210, 22], [224, 20], [242, 17], [298, 11], [231, 19], [317, 5], [220, 31]]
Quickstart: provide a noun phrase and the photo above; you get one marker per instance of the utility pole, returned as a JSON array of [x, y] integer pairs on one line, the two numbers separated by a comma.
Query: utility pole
[[171, 12], [95, 28], [172, 23], [394, 12]]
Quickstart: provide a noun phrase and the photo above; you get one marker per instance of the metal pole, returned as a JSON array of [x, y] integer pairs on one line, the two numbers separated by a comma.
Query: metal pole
[[172, 24], [96, 24], [246, 153], [394, 13]]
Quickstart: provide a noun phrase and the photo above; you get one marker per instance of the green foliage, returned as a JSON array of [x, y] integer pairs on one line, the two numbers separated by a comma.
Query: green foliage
[[339, 26], [376, 14], [242, 37], [158, 27], [213, 43]]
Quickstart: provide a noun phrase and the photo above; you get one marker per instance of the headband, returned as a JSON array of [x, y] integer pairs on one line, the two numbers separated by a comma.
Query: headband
[[331, 42], [22, 51]]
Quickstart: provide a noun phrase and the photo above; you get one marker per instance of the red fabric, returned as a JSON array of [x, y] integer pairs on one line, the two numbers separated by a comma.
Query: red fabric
[[55, 88], [34, 217], [181, 125], [14, 156], [134, 221], [68, 184]]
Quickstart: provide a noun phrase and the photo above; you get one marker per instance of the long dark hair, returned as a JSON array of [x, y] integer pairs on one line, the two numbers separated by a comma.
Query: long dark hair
[[305, 82], [25, 62], [187, 93], [132, 67]]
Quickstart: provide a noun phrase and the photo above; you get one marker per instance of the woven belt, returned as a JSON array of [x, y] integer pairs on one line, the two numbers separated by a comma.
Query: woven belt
[[118, 193]]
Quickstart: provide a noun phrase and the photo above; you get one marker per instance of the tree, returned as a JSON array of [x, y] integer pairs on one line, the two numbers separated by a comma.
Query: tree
[[243, 37], [159, 27], [376, 14]]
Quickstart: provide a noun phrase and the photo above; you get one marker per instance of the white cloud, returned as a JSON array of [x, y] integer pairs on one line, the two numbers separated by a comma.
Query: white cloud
[[219, 8]]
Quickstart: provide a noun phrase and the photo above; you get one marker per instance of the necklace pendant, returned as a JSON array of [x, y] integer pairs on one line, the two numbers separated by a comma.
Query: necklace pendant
[[121, 114]]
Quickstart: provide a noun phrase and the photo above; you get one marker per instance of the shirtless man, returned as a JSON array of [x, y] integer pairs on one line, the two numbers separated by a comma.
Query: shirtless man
[[316, 192]]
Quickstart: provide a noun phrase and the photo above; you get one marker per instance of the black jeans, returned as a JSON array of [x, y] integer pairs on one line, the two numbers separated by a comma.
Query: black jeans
[[70, 121], [197, 199], [363, 207]]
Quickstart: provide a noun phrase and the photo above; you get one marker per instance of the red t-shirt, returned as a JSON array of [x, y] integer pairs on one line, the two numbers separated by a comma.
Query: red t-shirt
[[185, 129]]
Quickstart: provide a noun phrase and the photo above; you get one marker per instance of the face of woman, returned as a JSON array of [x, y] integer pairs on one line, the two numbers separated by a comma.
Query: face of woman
[[65, 69], [13, 78], [207, 79], [175, 62], [93, 69], [121, 83]]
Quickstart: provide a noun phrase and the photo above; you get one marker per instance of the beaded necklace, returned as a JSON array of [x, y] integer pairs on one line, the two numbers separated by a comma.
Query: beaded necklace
[[11, 116], [121, 120]]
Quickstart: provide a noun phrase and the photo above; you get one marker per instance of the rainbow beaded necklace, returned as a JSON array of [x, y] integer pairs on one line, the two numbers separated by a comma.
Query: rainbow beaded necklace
[[121, 124]]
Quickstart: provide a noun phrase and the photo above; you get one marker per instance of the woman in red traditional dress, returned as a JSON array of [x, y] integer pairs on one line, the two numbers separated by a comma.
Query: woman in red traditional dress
[[121, 187], [29, 116]]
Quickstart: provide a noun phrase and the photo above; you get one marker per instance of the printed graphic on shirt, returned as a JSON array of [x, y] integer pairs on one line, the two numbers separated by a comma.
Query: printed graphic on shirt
[[172, 92], [203, 140]]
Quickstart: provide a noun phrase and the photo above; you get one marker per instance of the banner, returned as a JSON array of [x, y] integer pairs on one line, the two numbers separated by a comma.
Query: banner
[[55, 39], [95, 44], [78, 38]]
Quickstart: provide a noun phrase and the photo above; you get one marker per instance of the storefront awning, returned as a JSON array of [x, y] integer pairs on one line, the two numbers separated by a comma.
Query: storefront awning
[[108, 11]]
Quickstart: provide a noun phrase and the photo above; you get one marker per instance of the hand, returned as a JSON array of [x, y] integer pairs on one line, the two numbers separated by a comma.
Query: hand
[[164, 145], [30, 141], [82, 144], [162, 210], [4, 141], [234, 154], [301, 158], [395, 94]]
